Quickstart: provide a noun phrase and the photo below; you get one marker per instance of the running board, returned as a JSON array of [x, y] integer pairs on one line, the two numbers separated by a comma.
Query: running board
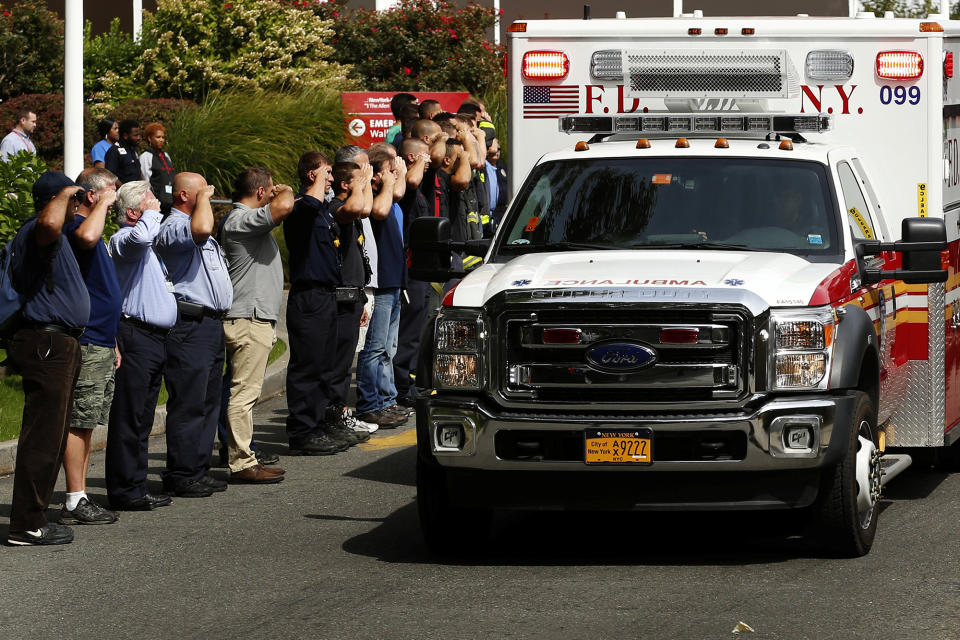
[[892, 464]]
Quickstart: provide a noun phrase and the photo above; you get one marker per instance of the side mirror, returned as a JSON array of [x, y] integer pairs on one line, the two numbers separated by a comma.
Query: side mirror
[[922, 241], [430, 246]]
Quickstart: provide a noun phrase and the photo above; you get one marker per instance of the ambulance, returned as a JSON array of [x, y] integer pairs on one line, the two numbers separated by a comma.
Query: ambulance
[[728, 278]]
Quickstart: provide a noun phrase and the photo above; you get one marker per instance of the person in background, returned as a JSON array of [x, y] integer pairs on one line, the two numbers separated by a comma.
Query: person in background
[[99, 356], [195, 348], [122, 159], [397, 103], [19, 137], [427, 109], [496, 183], [149, 312], [157, 167], [253, 259], [45, 352], [409, 113], [109, 131]]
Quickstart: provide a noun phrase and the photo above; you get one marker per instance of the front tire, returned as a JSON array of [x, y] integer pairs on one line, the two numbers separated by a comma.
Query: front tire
[[848, 506]]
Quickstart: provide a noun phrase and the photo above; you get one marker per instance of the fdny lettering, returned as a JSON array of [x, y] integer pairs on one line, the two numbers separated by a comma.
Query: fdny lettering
[[815, 96], [573, 283]]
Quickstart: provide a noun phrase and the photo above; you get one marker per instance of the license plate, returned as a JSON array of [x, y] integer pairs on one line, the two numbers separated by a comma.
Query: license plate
[[619, 446]]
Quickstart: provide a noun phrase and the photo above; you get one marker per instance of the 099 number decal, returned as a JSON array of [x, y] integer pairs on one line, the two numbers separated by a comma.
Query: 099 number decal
[[899, 94]]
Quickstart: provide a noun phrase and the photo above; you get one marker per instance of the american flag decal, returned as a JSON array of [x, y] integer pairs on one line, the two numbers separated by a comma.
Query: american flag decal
[[550, 101]]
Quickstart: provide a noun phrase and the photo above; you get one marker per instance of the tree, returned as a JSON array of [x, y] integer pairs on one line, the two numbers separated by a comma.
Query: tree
[[192, 47], [109, 61], [421, 45], [907, 8], [31, 50]]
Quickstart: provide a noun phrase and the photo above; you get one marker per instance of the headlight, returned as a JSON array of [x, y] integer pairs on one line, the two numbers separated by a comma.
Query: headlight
[[803, 347], [458, 357]]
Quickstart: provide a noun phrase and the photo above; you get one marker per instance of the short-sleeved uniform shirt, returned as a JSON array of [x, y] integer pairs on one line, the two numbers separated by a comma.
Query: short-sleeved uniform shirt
[[61, 299], [100, 277], [198, 272], [123, 162], [310, 233]]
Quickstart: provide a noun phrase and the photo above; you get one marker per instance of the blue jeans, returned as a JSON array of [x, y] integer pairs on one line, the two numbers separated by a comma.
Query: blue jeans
[[375, 384]]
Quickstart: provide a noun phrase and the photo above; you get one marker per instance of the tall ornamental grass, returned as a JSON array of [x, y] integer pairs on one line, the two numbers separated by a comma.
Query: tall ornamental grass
[[231, 131]]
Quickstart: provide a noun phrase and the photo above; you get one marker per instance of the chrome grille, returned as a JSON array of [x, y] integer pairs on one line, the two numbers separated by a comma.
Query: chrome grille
[[713, 73], [533, 367]]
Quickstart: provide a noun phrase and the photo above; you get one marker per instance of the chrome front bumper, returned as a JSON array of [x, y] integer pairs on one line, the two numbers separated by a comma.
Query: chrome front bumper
[[462, 433]]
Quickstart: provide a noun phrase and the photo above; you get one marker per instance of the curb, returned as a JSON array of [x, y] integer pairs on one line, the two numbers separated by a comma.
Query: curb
[[273, 384]]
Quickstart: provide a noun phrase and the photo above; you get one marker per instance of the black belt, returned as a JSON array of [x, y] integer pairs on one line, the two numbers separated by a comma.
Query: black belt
[[146, 326], [49, 327], [194, 311], [312, 286]]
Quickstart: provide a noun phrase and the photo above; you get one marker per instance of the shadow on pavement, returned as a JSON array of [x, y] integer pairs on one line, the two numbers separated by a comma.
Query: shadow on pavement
[[396, 468]]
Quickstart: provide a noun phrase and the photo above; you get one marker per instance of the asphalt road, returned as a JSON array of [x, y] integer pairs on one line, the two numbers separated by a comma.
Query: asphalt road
[[335, 552]]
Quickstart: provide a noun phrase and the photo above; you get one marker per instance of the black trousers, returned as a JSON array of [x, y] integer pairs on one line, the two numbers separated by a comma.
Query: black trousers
[[143, 355], [413, 314], [348, 335], [49, 363], [194, 375], [312, 330]]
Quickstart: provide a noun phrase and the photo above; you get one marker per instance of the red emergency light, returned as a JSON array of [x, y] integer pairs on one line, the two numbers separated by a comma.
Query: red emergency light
[[679, 336], [899, 65], [948, 64], [545, 65], [561, 336]]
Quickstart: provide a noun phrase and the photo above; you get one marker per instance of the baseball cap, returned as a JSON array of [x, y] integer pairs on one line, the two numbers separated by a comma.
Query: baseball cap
[[47, 186]]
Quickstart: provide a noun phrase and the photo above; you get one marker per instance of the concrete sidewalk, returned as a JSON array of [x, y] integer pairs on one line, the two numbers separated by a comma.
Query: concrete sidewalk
[[274, 382]]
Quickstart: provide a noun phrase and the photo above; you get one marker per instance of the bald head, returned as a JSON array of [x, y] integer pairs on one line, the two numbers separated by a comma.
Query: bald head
[[424, 130], [186, 185], [411, 147]]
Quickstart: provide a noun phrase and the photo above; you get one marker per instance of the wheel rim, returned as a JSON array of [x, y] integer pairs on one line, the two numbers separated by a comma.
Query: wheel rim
[[868, 475]]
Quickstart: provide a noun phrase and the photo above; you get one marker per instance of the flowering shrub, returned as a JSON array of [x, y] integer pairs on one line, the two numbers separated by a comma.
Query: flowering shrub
[[109, 61], [421, 45], [48, 135], [31, 50], [194, 46]]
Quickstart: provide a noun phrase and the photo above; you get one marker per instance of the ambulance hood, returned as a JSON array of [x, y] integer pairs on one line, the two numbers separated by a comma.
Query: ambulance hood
[[778, 279]]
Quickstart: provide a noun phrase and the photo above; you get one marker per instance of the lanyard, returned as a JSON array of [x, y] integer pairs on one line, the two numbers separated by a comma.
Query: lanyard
[[163, 161], [26, 140]]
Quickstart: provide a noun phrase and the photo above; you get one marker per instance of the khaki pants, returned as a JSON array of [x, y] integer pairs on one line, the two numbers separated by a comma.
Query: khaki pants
[[248, 348]]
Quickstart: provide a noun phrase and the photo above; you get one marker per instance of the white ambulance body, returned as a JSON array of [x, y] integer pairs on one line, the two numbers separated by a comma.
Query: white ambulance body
[[682, 347]]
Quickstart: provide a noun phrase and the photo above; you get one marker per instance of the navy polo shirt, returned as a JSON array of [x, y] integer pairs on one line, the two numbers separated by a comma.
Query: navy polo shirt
[[309, 232], [100, 276], [392, 263], [68, 303]]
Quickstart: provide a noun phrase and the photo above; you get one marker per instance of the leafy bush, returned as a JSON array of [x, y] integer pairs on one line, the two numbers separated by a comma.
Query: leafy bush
[[17, 176], [147, 110], [48, 135], [109, 61], [28, 36], [422, 45], [905, 8], [233, 130], [192, 47]]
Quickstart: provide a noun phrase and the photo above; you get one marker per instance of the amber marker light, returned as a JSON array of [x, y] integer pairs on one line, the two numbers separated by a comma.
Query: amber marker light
[[517, 27], [582, 146], [682, 143], [722, 144], [721, 31], [643, 143], [786, 145], [748, 31], [694, 31], [930, 27], [945, 259]]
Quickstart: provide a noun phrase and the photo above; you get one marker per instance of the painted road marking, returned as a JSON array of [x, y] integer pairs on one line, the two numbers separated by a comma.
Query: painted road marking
[[393, 441]]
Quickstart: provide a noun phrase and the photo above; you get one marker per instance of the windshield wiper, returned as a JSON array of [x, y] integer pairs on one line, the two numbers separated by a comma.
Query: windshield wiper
[[697, 245]]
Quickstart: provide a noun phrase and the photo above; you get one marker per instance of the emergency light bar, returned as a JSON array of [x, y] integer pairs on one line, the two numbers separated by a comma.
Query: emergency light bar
[[695, 123]]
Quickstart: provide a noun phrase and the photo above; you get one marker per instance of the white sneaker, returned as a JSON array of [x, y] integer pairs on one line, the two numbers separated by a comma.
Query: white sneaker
[[358, 425]]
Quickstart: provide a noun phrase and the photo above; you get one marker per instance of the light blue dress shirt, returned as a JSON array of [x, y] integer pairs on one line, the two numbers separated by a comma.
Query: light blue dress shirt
[[142, 281], [199, 273]]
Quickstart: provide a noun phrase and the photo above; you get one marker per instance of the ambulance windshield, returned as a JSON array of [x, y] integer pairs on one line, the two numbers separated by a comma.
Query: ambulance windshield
[[665, 203]]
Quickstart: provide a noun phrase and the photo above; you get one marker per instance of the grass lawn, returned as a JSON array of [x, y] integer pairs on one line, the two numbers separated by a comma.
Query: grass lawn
[[11, 396]]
